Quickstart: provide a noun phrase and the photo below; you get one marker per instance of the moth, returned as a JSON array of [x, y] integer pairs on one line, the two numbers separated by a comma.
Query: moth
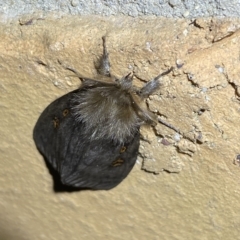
[[90, 136]]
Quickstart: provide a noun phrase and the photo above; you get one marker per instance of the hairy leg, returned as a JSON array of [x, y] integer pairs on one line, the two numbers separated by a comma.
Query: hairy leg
[[104, 65], [152, 85]]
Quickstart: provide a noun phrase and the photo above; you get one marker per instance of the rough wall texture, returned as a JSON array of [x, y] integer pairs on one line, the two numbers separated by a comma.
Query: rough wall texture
[[166, 8], [190, 187]]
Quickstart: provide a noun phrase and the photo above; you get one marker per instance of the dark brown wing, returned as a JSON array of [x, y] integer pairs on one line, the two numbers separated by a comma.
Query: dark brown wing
[[80, 161]]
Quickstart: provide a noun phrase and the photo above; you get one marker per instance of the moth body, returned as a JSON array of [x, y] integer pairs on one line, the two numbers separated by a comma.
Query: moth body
[[90, 136]]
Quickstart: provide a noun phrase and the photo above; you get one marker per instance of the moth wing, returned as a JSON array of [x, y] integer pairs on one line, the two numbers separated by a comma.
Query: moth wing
[[98, 164], [81, 162], [48, 127]]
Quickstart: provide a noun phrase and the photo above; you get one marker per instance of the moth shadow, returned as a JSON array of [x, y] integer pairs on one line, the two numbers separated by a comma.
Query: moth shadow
[[58, 186]]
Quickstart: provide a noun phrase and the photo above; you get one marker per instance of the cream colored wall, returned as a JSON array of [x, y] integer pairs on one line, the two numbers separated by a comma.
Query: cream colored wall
[[198, 201]]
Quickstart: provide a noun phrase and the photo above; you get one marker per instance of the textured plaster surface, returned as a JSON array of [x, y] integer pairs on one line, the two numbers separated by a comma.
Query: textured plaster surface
[[186, 182], [166, 8]]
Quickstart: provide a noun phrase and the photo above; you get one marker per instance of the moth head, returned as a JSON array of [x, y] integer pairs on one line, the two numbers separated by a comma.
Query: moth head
[[125, 83]]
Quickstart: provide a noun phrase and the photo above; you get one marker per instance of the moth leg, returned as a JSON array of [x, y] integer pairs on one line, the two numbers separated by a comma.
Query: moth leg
[[79, 75], [104, 64], [152, 85], [169, 125]]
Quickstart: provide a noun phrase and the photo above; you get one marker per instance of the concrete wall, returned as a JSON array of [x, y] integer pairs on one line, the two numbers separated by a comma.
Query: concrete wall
[[166, 8], [182, 186]]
